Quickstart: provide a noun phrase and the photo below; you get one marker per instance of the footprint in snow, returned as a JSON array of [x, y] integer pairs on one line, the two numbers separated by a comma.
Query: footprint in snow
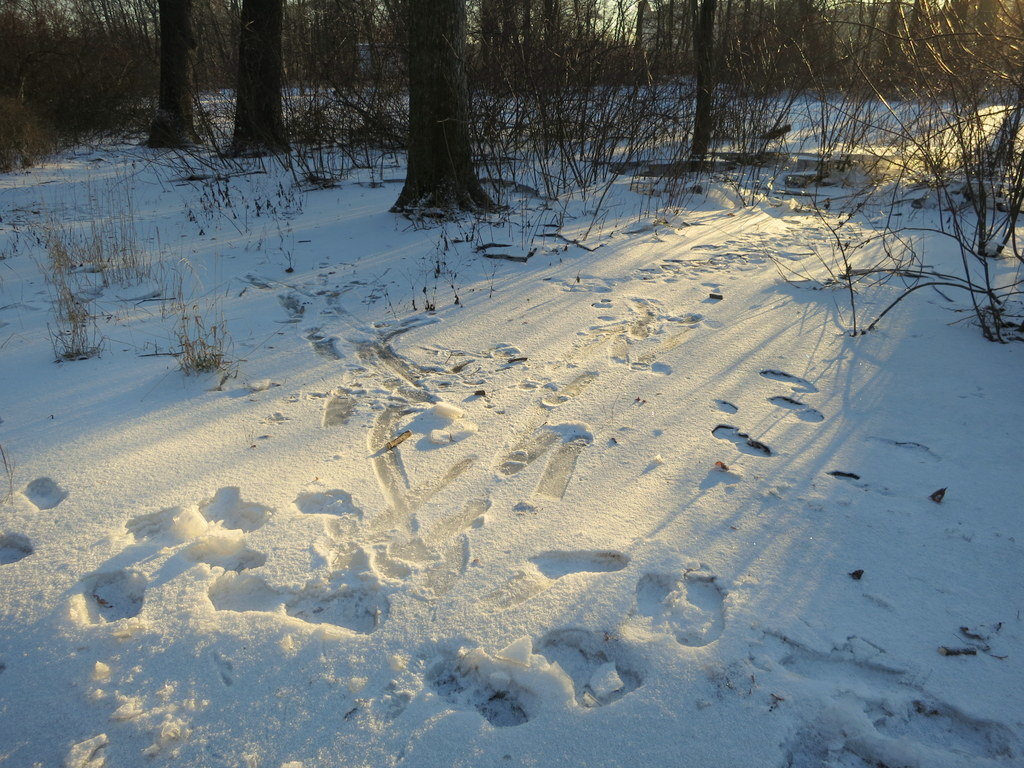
[[224, 551], [569, 391], [44, 493], [905, 445], [551, 566], [359, 608], [475, 680], [225, 668], [228, 508], [332, 502], [323, 345], [603, 669], [800, 410], [871, 714], [799, 384], [531, 447], [744, 442], [14, 547], [337, 410], [110, 596], [293, 306], [554, 480], [556, 564], [690, 605]]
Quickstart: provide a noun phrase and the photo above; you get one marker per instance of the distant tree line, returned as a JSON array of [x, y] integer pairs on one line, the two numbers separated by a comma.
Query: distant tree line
[[337, 71]]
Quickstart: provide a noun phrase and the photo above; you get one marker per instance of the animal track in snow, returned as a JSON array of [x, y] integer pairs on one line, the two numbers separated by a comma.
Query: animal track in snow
[[556, 564], [332, 502], [725, 406], [798, 384], [689, 605], [14, 547], [360, 609], [113, 595], [801, 410], [44, 493], [602, 668], [744, 442]]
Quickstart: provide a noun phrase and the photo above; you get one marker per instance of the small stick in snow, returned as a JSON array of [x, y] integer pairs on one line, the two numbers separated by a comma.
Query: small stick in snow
[[716, 296], [480, 393], [390, 445], [957, 651]]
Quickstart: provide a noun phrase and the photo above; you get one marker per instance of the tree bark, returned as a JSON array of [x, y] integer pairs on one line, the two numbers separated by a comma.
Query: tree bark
[[259, 126], [440, 172], [704, 65], [173, 124]]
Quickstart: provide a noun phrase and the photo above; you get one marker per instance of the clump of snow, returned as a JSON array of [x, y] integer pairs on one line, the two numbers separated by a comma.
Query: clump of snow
[[448, 411]]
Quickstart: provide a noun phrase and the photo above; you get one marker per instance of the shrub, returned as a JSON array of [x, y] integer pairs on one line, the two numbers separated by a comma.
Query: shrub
[[24, 139]]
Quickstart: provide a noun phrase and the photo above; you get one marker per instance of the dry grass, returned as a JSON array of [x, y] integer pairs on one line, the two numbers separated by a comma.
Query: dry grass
[[74, 333], [201, 346]]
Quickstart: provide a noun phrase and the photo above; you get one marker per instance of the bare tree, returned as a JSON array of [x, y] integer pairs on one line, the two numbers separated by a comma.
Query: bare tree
[[440, 172], [258, 122], [173, 124], [704, 69]]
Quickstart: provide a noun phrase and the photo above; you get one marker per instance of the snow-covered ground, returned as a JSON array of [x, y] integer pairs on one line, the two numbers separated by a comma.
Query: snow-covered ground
[[634, 523]]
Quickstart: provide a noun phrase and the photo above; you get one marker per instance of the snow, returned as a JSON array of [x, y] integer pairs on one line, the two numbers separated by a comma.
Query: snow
[[622, 529]]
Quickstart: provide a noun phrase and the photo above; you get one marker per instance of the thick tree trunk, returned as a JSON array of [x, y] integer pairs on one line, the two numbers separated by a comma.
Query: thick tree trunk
[[173, 124], [258, 123], [440, 172], [704, 65]]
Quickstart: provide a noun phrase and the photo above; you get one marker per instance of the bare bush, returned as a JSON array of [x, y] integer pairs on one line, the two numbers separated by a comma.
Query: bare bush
[[201, 345], [24, 139]]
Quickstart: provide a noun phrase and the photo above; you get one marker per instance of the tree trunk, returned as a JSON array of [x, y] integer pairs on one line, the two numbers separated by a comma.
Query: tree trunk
[[550, 22], [704, 66], [258, 123], [173, 125], [440, 172]]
